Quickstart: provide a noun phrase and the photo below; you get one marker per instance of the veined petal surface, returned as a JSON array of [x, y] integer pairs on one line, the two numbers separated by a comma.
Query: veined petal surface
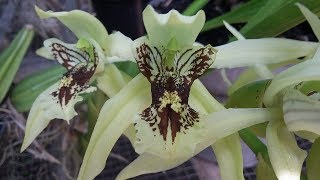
[[261, 51], [46, 108], [162, 28], [220, 124], [285, 155], [81, 23]]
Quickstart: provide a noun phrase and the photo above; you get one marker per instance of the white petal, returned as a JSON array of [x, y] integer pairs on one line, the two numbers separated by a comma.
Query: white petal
[[312, 19], [261, 51], [46, 108], [114, 118], [234, 31], [44, 52], [119, 46], [148, 163], [221, 124], [285, 155], [229, 156], [112, 80], [81, 23], [301, 113], [305, 71], [162, 28]]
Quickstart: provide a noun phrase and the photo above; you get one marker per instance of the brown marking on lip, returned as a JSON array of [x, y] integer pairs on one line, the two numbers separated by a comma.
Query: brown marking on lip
[[175, 80], [67, 56], [80, 70], [312, 93]]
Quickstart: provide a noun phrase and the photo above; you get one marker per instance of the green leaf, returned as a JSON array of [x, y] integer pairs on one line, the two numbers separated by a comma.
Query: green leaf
[[28, 89], [313, 161], [310, 86], [11, 59], [277, 16], [239, 14], [94, 102], [248, 96], [128, 67], [257, 147], [194, 7]]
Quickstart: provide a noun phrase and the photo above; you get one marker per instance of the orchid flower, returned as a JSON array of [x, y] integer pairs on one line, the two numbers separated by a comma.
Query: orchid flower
[[167, 113], [84, 61], [301, 111]]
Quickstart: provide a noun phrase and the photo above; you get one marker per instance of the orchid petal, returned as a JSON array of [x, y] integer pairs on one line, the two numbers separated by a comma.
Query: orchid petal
[[45, 108], [162, 28], [234, 31], [119, 46], [307, 135], [305, 71], [44, 52], [261, 51], [312, 19], [285, 155], [221, 124], [301, 113], [263, 170], [111, 123], [261, 69], [148, 163], [112, 80], [250, 75], [81, 23], [228, 152]]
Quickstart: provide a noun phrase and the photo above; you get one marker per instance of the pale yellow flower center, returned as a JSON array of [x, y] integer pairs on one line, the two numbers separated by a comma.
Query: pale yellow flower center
[[171, 98]]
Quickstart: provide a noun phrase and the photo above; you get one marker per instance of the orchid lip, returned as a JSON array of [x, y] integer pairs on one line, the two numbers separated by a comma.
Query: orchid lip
[[171, 74], [81, 66]]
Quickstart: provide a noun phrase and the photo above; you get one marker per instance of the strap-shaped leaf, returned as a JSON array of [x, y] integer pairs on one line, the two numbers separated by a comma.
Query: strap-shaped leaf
[[28, 89], [266, 22], [11, 58], [239, 14]]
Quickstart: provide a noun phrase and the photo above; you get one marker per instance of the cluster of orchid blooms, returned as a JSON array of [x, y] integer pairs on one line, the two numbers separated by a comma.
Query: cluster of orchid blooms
[[165, 111]]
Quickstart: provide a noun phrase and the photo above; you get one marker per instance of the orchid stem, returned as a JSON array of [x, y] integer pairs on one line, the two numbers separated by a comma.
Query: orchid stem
[[194, 7], [255, 144]]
